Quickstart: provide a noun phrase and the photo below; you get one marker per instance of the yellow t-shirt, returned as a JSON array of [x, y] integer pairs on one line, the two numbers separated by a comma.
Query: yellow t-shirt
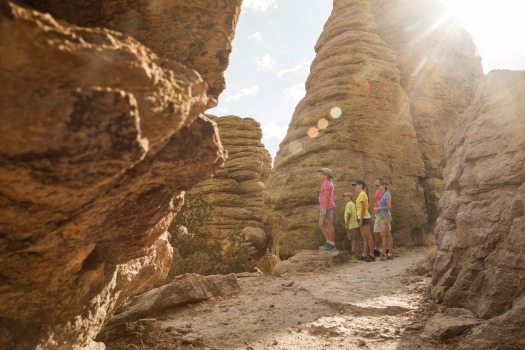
[[362, 198]]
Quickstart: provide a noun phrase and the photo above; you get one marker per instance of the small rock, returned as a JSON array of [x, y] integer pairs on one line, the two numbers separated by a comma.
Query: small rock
[[361, 343]]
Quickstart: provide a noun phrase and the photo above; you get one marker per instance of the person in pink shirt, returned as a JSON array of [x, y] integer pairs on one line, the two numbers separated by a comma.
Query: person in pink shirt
[[327, 206], [376, 235]]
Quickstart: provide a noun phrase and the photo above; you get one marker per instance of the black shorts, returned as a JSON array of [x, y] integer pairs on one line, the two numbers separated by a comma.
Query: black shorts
[[366, 221]]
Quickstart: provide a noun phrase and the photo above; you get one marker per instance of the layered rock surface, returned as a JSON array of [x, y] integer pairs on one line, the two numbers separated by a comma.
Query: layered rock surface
[[194, 33], [440, 72], [99, 137], [237, 191], [480, 263], [354, 73]]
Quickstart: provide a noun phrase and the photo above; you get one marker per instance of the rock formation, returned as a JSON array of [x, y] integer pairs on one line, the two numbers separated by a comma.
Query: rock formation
[[357, 55], [236, 192], [99, 137], [480, 263], [440, 72], [193, 33], [354, 119]]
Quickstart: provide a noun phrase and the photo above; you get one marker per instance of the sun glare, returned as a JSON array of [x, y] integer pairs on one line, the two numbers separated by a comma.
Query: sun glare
[[497, 29]]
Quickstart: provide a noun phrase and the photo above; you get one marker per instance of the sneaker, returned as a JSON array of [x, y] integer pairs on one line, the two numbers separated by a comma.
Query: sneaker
[[360, 257], [370, 258], [383, 257], [389, 257], [329, 246], [323, 246], [376, 252]]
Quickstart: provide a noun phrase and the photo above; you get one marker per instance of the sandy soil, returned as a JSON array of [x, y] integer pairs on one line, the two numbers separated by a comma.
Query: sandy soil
[[378, 305]]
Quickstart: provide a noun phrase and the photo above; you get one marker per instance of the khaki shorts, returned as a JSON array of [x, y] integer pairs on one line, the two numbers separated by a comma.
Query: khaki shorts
[[383, 220], [352, 234]]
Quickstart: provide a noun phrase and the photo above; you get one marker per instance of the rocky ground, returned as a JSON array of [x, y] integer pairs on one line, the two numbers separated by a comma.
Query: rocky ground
[[380, 305]]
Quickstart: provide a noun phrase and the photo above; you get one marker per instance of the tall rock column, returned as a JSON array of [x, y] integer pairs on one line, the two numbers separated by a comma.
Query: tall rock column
[[354, 119], [440, 72], [237, 191], [480, 264]]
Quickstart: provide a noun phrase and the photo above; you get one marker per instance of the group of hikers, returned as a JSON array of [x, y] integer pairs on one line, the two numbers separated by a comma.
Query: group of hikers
[[358, 218]]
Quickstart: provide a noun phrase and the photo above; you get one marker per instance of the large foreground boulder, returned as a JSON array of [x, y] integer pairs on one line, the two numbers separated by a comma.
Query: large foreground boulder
[[194, 33], [99, 137], [481, 229]]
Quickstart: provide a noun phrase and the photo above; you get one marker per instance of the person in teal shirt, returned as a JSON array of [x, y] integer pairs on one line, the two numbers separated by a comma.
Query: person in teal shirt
[[351, 224]]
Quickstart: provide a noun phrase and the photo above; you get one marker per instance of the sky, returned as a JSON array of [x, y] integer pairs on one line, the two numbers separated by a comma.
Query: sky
[[274, 47]]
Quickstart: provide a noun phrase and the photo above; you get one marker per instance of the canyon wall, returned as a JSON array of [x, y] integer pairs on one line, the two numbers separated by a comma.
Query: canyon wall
[[480, 263], [99, 138], [355, 119], [399, 68], [237, 191]]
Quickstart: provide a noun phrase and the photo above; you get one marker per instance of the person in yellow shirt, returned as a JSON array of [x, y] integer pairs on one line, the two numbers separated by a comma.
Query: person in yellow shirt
[[351, 225], [363, 218]]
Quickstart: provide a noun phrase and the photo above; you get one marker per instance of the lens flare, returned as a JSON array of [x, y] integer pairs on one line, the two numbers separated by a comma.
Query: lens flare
[[336, 112], [313, 132], [295, 147], [322, 124]]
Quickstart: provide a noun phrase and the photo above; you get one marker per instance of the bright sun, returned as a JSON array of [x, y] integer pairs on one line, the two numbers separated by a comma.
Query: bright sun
[[497, 28]]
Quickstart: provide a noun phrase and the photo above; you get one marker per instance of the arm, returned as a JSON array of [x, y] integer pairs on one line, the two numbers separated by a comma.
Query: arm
[[362, 213], [347, 219]]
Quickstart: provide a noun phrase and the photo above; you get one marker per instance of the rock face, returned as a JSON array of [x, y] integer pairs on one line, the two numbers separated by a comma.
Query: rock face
[[236, 192], [480, 263], [195, 33], [99, 137], [354, 119], [440, 72]]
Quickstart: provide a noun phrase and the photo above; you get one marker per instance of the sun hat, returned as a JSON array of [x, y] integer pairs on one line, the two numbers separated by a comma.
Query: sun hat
[[347, 194], [326, 171]]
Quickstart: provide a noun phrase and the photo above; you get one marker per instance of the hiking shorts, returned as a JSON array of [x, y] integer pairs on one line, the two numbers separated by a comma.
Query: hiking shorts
[[329, 214], [383, 220], [352, 234]]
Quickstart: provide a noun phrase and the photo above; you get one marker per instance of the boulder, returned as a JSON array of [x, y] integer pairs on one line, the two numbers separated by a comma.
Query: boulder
[[194, 33], [449, 324], [480, 233], [99, 139], [311, 261], [185, 289]]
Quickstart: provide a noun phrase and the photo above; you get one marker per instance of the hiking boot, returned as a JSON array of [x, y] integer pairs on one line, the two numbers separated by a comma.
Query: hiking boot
[[376, 252], [383, 257], [329, 246], [370, 258], [389, 257], [360, 257]]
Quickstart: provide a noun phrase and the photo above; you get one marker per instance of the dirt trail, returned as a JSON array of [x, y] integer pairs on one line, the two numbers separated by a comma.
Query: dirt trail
[[358, 305]]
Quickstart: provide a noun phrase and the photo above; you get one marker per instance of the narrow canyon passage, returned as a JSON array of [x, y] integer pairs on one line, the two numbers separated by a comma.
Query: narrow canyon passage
[[348, 307]]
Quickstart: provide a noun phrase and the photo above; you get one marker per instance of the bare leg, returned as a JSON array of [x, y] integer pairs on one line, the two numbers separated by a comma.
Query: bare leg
[[377, 239], [368, 237], [323, 228], [329, 222], [363, 236], [384, 238]]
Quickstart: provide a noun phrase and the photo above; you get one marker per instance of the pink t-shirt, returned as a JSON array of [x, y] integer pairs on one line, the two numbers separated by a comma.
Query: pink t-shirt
[[327, 185], [377, 197]]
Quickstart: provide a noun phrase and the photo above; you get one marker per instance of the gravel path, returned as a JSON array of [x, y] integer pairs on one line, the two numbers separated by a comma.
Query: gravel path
[[358, 305]]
